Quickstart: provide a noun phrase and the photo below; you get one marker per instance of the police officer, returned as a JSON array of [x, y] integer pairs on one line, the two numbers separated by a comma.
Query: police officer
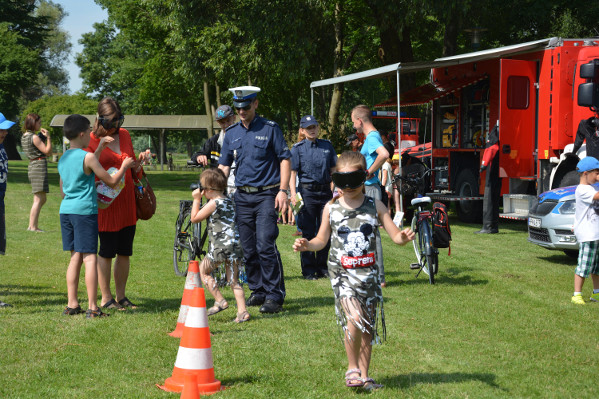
[[263, 163], [312, 160]]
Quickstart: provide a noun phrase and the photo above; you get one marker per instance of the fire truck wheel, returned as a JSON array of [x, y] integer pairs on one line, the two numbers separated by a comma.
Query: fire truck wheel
[[467, 186], [571, 178]]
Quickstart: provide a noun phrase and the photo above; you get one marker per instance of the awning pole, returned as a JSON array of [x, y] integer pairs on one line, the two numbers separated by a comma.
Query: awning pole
[[162, 149], [399, 128], [312, 102]]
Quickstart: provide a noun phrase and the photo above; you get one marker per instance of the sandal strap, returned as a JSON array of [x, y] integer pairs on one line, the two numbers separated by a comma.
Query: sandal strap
[[353, 371]]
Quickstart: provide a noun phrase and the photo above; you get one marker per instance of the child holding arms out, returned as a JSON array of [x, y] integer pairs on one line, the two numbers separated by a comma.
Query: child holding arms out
[[586, 229], [79, 210], [224, 240], [351, 222]]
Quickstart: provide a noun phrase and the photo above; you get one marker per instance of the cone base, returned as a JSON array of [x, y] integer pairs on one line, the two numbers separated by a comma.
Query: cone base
[[172, 385]]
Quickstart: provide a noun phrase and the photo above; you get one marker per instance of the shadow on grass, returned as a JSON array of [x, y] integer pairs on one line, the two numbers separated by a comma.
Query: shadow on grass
[[409, 380], [449, 277], [559, 258]]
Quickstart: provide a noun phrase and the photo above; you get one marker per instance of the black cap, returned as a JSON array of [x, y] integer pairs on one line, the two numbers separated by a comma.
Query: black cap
[[351, 138]]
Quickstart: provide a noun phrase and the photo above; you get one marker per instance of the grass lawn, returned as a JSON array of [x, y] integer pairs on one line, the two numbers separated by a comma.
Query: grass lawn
[[498, 323]]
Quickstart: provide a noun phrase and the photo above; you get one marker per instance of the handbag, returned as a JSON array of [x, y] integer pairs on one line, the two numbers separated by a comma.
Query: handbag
[[144, 197]]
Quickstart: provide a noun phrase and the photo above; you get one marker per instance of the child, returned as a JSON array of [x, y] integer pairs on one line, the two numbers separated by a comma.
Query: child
[[351, 221], [586, 229], [224, 240], [79, 210], [4, 126]]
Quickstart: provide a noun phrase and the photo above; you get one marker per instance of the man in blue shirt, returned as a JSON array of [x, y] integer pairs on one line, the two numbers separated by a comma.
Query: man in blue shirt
[[262, 175], [312, 160], [376, 154], [4, 126]]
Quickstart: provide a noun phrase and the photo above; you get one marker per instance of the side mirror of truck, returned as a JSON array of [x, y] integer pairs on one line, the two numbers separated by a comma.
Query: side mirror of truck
[[588, 95], [590, 70]]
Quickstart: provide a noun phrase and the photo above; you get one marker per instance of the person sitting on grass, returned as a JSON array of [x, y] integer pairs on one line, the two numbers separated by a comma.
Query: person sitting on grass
[[223, 236], [79, 210], [586, 229], [350, 221]]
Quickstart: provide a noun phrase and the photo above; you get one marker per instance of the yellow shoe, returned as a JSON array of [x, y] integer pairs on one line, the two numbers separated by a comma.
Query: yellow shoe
[[595, 297], [577, 300]]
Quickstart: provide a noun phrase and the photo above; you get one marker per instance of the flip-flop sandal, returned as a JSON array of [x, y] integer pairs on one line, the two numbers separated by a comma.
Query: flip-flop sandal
[[72, 311], [126, 303], [242, 317], [353, 381], [218, 307], [371, 385], [112, 304]]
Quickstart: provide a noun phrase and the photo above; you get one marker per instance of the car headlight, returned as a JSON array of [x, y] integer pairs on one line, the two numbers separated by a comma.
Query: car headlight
[[568, 207]]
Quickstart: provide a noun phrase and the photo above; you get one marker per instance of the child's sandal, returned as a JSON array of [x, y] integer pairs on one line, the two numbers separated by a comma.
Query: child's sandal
[[242, 317], [370, 385], [218, 307], [72, 311], [352, 381]]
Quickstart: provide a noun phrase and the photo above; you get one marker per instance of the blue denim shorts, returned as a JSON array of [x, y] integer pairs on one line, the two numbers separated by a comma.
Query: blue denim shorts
[[79, 233]]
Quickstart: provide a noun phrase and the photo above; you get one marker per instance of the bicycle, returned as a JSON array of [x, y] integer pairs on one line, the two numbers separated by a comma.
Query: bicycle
[[426, 253], [189, 237]]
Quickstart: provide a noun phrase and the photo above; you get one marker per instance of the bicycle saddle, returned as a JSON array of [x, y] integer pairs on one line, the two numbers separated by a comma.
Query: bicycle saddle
[[421, 200]]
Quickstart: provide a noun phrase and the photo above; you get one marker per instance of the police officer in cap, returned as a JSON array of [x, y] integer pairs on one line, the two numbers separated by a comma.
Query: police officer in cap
[[312, 160], [263, 164]]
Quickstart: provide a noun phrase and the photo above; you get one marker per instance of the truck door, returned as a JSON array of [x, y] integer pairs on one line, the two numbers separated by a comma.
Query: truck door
[[517, 126]]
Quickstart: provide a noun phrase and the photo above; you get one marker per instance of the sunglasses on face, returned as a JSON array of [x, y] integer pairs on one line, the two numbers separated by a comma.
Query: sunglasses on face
[[353, 179], [111, 123], [246, 108]]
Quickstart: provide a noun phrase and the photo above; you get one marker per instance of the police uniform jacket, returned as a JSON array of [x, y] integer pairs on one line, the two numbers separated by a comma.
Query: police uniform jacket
[[313, 160], [258, 152]]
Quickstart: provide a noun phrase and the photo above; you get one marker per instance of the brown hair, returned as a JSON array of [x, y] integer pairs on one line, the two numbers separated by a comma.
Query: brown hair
[[300, 135], [107, 106], [363, 112], [214, 179], [30, 121]]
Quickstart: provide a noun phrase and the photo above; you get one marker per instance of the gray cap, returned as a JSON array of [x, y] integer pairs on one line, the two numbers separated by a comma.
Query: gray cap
[[222, 112]]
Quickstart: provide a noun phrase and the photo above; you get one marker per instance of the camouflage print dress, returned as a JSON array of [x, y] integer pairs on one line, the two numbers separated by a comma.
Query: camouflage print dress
[[352, 267], [223, 233]]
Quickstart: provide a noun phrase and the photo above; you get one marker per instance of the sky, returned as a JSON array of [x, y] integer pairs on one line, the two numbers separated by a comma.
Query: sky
[[82, 14]]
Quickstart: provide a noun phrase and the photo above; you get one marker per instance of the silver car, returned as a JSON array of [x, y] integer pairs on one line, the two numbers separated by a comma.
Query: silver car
[[551, 219]]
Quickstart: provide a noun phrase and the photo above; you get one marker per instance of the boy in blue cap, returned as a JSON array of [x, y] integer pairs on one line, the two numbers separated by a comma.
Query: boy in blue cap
[[586, 229], [4, 126]]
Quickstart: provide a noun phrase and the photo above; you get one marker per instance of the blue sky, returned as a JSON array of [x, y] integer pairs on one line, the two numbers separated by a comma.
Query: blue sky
[[80, 19]]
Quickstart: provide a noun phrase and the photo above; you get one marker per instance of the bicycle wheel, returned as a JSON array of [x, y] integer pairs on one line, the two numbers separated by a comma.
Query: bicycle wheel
[[417, 241], [184, 246], [427, 259]]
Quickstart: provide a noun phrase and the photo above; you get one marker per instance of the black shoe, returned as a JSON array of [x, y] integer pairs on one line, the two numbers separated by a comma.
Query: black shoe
[[486, 231], [312, 276], [270, 306], [323, 274], [254, 300]]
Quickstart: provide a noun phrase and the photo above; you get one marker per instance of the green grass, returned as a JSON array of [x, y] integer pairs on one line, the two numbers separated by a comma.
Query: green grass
[[497, 324]]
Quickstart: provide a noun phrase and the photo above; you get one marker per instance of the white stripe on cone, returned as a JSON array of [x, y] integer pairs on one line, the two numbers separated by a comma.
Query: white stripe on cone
[[194, 359], [183, 313], [196, 318], [192, 281]]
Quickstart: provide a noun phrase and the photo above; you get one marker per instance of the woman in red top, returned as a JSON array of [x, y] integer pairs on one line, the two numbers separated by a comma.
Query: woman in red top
[[116, 224]]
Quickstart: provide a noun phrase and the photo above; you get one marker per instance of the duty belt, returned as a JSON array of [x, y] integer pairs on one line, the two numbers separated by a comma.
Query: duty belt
[[250, 189], [320, 187]]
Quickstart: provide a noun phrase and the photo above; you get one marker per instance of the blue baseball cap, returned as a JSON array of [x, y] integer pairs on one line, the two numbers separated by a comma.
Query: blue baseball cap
[[243, 95], [223, 112], [308, 120], [586, 164], [4, 123]]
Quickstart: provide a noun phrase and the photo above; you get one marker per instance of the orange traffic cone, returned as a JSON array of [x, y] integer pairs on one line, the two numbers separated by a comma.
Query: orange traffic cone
[[190, 389], [192, 281], [195, 351]]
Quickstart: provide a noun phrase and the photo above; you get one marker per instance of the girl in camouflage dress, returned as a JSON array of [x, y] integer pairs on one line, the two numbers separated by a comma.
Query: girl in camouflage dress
[[352, 221], [223, 236]]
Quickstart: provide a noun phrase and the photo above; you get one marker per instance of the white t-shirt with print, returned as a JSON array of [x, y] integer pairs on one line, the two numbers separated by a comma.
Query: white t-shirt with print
[[586, 225]]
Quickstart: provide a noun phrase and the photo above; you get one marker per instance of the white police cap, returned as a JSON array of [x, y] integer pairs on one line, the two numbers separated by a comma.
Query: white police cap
[[243, 95]]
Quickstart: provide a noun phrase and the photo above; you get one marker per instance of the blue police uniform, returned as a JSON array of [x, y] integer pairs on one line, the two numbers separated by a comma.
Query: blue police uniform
[[313, 160], [258, 151]]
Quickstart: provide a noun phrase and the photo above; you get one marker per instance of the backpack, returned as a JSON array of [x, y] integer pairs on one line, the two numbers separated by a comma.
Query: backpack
[[441, 229]]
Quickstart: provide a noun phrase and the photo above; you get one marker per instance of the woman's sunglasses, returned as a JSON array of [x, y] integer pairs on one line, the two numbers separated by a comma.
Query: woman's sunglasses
[[352, 180], [111, 123]]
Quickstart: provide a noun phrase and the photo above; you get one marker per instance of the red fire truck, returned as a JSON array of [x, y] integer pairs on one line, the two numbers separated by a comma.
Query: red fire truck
[[529, 90]]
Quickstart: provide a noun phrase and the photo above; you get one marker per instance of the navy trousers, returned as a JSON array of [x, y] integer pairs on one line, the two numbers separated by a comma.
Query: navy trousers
[[309, 221], [256, 219], [2, 225]]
